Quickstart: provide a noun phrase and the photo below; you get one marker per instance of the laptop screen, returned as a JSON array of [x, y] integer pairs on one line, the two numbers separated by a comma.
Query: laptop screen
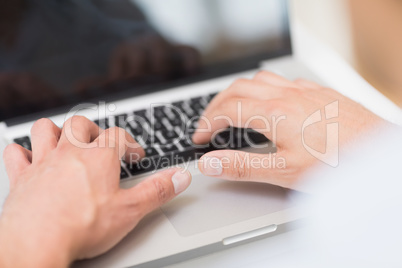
[[57, 53]]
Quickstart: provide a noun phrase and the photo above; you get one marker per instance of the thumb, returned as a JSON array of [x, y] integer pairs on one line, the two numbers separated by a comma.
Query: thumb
[[158, 189], [242, 166]]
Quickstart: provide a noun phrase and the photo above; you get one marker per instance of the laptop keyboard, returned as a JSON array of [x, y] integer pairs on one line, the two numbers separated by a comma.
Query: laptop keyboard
[[165, 134]]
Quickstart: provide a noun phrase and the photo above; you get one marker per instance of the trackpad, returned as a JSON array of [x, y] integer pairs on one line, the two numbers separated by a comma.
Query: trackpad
[[211, 203]]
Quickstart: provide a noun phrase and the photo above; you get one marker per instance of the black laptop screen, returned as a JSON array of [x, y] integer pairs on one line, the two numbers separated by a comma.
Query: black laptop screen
[[57, 53]]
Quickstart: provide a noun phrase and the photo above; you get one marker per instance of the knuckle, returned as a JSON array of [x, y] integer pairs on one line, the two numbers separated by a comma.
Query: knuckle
[[263, 74], [241, 170], [118, 130], [224, 106], [161, 191], [77, 120], [113, 130], [116, 133], [238, 83], [10, 149], [242, 173], [241, 82], [293, 92], [259, 75], [80, 120], [42, 123], [273, 107]]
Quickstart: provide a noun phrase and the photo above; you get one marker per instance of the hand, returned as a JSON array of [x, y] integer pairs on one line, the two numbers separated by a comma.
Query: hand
[[65, 202], [284, 111]]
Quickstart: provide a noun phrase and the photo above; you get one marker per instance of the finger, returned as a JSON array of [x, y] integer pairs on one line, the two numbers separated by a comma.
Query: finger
[[44, 137], [236, 112], [156, 191], [244, 166], [16, 159], [79, 131], [122, 143], [308, 84], [275, 80], [245, 88]]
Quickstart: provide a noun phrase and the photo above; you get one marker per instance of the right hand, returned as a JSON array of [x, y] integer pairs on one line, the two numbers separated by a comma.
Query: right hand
[[300, 143]]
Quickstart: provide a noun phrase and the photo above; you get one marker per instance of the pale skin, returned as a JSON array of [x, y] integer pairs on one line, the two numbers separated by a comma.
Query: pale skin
[[65, 202], [62, 206], [273, 97]]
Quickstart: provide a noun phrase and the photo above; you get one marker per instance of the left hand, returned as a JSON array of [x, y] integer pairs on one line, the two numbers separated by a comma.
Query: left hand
[[65, 202]]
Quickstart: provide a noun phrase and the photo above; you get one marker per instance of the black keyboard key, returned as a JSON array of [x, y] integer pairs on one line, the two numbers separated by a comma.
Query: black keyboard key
[[142, 112], [149, 164], [189, 112], [150, 140], [224, 139], [168, 148], [141, 116], [178, 104], [192, 124], [139, 139], [171, 158], [176, 122], [169, 135], [145, 165], [157, 125], [158, 112], [103, 123], [151, 151], [24, 142], [256, 138], [136, 128], [121, 120], [197, 108], [183, 109], [196, 100], [186, 156], [234, 138], [186, 143]]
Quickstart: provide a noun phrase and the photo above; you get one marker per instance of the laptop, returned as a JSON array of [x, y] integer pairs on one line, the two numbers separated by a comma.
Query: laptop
[[161, 61]]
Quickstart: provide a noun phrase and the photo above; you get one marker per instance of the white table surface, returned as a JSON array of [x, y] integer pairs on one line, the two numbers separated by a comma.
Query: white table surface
[[339, 75]]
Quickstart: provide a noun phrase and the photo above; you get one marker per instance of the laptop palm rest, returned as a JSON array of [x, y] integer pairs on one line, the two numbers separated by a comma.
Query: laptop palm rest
[[211, 203]]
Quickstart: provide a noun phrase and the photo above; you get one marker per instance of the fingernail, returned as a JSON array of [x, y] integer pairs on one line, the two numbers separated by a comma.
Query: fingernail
[[212, 166], [195, 136], [181, 180]]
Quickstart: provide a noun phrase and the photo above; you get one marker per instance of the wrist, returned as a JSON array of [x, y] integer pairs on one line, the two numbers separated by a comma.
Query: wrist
[[24, 246]]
